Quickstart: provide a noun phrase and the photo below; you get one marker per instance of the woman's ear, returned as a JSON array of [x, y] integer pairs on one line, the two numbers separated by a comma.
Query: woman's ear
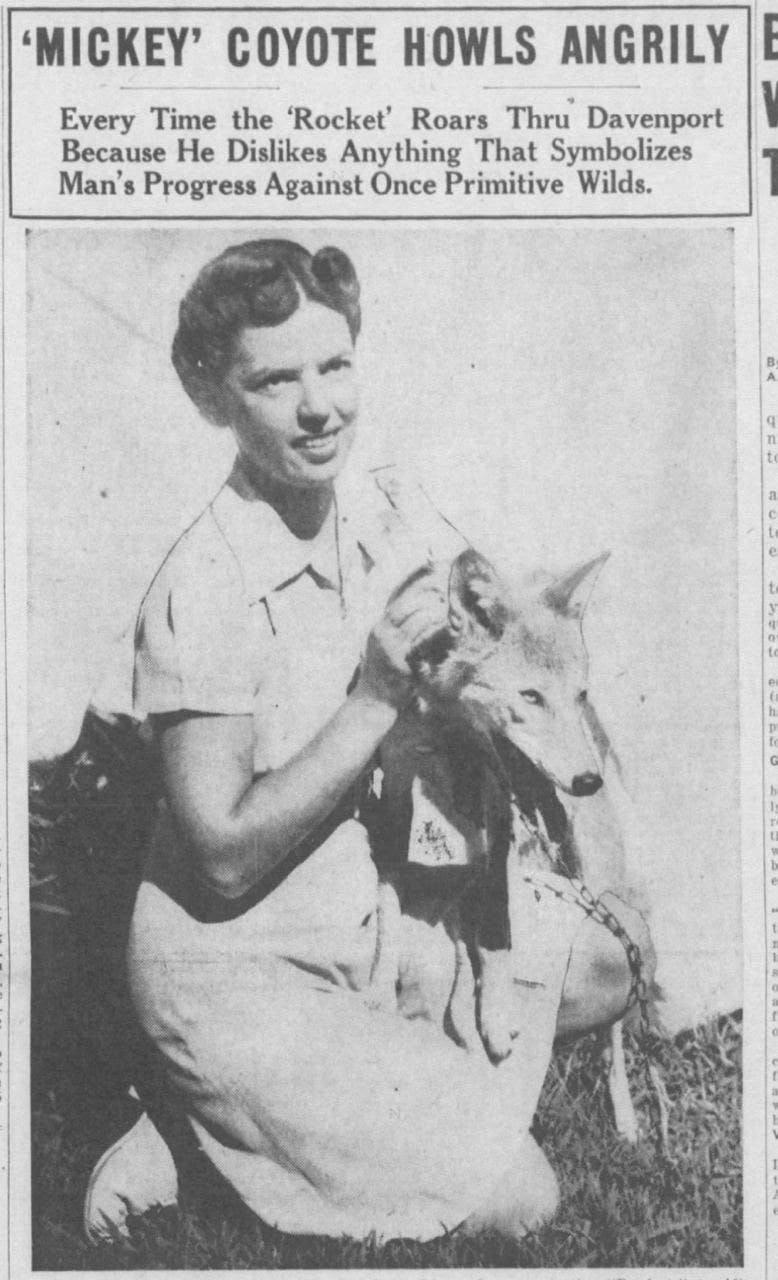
[[476, 596]]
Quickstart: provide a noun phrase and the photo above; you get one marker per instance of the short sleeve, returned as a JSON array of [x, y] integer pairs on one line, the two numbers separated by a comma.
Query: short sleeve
[[193, 648]]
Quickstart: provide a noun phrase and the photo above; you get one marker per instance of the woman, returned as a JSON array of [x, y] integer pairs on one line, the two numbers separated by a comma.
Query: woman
[[254, 931]]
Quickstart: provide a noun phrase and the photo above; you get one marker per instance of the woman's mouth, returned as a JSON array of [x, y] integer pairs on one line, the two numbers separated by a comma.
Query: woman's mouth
[[320, 447]]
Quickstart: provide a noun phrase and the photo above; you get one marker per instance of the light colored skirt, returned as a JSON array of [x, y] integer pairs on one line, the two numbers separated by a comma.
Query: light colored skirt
[[328, 1116]]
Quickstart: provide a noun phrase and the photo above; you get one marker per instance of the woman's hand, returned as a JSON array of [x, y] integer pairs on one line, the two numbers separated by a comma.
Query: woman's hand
[[413, 613]]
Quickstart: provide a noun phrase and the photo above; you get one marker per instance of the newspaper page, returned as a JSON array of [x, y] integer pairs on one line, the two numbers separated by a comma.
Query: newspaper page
[[459, 499]]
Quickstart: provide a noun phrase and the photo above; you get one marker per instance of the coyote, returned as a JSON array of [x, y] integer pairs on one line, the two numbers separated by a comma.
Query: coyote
[[499, 746]]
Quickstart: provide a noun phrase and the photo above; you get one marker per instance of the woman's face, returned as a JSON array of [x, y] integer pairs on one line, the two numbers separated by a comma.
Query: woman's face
[[291, 397]]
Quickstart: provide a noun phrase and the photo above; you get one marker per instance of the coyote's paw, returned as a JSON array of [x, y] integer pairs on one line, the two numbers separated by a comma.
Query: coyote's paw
[[382, 995], [626, 1121], [498, 1019], [498, 1032]]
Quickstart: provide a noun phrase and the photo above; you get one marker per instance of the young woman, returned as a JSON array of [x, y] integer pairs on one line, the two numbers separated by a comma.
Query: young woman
[[272, 667]]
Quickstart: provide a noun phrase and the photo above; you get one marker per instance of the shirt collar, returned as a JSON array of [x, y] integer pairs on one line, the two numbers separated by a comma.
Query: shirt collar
[[267, 552]]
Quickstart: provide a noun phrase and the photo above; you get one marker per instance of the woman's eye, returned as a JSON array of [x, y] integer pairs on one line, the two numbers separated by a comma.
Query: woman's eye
[[532, 696], [583, 696], [338, 364], [273, 381]]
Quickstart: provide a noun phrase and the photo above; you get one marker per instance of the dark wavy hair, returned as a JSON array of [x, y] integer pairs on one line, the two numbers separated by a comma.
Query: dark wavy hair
[[259, 283]]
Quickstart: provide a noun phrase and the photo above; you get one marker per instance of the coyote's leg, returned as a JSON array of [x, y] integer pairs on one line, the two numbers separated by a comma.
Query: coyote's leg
[[460, 1015], [498, 1015], [382, 991], [618, 1085], [498, 1010]]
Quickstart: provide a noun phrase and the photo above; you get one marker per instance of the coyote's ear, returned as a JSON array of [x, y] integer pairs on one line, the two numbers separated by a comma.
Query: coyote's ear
[[476, 597], [570, 594]]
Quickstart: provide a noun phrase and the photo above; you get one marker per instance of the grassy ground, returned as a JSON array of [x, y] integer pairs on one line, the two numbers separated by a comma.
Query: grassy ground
[[620, 1206]]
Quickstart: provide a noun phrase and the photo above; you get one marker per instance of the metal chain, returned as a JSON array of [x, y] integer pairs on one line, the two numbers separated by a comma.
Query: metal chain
[[580, 895]]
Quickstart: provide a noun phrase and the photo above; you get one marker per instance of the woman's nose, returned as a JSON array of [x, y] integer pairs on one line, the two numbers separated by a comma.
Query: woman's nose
[[315, 405]]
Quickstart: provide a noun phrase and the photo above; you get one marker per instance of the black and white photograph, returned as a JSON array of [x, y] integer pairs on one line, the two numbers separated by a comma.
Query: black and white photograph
[[385, 746]]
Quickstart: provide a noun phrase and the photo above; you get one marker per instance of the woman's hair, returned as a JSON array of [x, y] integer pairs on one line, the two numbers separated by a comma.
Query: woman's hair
[[251, 285]]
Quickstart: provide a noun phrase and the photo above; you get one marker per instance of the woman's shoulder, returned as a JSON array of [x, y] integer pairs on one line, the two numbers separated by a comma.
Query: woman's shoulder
[[199, 563]]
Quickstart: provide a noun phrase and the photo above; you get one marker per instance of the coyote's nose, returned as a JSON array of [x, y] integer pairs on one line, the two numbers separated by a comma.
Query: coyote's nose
[[585, 784]]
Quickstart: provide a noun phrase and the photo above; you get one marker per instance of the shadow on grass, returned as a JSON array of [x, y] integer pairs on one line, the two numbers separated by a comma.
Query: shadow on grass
[[621, 1206]]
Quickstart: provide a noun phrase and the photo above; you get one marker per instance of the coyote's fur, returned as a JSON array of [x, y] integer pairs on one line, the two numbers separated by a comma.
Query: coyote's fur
[[498, 752]]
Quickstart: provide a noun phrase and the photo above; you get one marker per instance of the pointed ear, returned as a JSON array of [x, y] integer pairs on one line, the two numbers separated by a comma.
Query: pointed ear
[[570, 594], [476, 597]]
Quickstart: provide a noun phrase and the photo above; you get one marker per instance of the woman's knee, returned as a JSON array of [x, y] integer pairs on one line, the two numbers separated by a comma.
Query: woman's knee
[[601, 976], [525, 1198], [637, 932], [542, 1193]]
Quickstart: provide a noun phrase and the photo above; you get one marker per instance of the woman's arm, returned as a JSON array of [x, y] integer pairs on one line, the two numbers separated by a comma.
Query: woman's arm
[[239, 828]]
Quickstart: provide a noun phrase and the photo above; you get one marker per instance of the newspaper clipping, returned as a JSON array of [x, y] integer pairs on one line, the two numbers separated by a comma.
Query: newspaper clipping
[[390, 619]]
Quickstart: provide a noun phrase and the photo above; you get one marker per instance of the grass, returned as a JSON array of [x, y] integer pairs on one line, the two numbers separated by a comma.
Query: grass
[[621, 1206]]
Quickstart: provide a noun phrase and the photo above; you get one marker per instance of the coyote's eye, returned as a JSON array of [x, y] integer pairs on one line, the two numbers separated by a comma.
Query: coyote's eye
[[583, 696], [534, 698]]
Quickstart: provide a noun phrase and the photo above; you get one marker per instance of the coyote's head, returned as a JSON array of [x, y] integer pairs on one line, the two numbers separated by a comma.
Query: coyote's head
[[515, 663]]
